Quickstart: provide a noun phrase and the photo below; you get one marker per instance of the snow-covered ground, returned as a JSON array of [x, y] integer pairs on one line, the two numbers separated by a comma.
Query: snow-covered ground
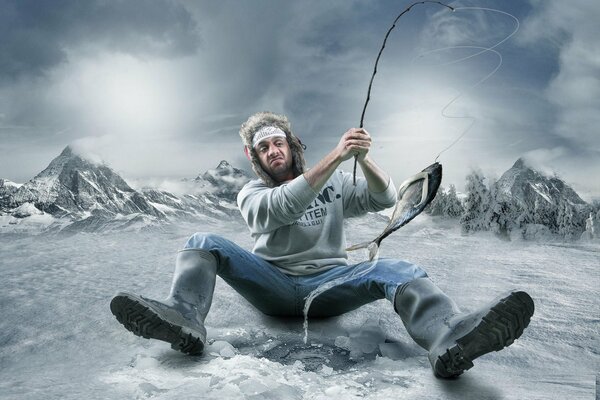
[[58, 339]]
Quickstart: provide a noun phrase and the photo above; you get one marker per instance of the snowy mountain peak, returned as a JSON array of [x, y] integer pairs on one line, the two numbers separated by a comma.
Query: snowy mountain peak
[[520, 164], [224, 165], [74, 186], [224, 169], [58, 164], [226, 179], [67, 152], [69, 165], [528, 185]]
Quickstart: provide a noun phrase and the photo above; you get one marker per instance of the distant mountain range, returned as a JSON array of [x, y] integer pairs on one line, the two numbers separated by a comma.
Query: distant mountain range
[[75, 194]]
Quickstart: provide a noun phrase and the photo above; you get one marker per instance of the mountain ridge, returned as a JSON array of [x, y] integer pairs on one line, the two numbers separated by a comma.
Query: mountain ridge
[[81, 194], [78, 194]]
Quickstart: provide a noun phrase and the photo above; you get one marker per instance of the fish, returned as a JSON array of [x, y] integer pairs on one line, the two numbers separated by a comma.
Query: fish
[[414, 195]]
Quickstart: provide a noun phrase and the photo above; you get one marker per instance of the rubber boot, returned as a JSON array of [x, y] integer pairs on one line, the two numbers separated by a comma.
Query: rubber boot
[[179, 319], [454, 338]]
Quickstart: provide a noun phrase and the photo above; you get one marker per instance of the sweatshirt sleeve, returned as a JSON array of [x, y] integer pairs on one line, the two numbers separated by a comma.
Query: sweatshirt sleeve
[[359, 200], [265, 209]]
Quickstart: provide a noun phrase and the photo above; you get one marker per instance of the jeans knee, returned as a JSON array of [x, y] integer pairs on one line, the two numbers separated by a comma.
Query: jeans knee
[[412, 269], [203, 240], [418, 272], [407, 270]]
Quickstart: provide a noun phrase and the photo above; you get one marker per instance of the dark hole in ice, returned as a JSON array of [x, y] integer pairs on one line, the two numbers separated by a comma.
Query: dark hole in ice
[[313, 357]]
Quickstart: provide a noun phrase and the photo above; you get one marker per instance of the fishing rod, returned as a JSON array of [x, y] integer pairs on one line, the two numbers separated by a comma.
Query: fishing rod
[[362, 116]]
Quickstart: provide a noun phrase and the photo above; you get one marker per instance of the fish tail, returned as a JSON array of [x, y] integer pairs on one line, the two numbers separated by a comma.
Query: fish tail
[[372, 246], [363, 245], [373, 250]]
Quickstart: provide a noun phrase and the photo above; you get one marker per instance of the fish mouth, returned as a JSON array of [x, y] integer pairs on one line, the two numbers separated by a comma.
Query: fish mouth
[[430, 177], [435, 169]]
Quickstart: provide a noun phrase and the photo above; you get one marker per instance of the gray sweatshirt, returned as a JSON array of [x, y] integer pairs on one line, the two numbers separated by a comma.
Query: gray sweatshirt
[[300, 231]]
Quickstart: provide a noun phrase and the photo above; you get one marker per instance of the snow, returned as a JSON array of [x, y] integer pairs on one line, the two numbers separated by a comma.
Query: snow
[[84, 176], [26, 218], [26, 210], [541, 190], [44, 187], [58, 338], [8, 183], [537, 232], [229, 205], [163, 207]]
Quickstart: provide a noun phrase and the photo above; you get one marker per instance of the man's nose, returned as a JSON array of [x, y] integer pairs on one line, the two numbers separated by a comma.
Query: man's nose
[[272, 150]]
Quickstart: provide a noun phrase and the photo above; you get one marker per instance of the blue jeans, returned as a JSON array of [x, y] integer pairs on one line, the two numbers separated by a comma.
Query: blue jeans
[[277, 294]]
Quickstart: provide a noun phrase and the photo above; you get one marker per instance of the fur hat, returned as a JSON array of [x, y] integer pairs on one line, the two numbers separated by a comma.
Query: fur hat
[[264, 119]]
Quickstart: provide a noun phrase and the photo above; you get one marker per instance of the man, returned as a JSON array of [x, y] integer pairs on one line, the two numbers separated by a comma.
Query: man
[[296, 219]]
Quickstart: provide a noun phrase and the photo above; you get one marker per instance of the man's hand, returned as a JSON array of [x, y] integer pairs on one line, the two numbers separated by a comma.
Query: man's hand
[[355, 142]]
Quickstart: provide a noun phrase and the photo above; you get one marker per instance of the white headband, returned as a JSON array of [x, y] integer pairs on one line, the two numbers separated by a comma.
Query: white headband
[[265, 133]]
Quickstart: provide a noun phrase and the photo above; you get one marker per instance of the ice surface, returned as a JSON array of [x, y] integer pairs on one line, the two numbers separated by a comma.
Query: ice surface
[[58, 339]]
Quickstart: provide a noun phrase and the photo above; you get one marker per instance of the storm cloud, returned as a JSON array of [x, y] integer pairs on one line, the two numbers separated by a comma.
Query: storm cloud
[[160, 88], [39, 35]]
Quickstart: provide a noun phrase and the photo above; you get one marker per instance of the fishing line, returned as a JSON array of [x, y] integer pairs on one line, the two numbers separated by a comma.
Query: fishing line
[[485, 78], [360, 270], [471, 119]]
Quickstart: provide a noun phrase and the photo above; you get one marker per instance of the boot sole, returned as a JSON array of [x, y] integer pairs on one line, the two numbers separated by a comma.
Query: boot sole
[[144, 321], [497, 329]]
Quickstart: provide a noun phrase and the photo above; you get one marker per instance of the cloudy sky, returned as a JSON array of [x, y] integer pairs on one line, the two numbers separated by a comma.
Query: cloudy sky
[[158, 88]]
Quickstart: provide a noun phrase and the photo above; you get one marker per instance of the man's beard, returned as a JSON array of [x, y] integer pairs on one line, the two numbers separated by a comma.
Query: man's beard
[[281, 171]]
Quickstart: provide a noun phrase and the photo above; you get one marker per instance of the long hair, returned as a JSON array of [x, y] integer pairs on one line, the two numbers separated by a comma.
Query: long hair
[[266, 118]]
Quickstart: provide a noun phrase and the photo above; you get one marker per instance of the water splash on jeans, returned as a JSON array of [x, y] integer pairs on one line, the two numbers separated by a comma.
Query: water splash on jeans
[[356, 272]]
